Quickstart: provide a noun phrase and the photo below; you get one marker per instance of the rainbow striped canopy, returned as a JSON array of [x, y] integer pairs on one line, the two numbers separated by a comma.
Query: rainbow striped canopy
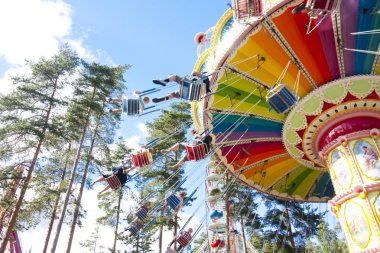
[[249, 57]]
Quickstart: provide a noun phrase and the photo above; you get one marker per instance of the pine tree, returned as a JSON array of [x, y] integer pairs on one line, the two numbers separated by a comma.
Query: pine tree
[[327, 241], [198, 242], [287, 224], [27, 116], [92, 243], [97, 82]]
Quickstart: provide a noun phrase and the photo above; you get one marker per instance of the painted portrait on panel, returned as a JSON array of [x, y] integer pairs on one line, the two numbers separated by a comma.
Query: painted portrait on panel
[[367, 159]]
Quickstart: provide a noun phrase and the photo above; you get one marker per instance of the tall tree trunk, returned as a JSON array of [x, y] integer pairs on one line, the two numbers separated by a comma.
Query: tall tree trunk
[[137, 242], [25, 185], [289, 228], [82, 183], [227, 205], [72, 177], [117, 220], [243, 233], [175, 230], [9, 196], [56, 201], [160, 234]]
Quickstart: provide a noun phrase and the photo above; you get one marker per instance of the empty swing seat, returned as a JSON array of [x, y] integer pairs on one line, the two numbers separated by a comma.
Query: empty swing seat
[[142, 213], [132, 106], [173, 201], [280, 98], [142, 158], [184, 239], [192, 90], [114, 182], [244, 9], [197, 152]]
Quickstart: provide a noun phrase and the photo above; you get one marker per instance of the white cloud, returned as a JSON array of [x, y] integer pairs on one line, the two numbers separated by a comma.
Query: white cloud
[[33, 28], [144, 130], [36, 28], [133, 141]]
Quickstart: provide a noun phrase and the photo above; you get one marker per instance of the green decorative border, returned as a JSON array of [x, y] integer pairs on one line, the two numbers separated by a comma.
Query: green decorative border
[[312, 104]]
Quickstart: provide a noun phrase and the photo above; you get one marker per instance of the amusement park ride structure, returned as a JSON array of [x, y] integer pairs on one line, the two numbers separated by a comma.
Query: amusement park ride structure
[[318, 142], [294, 112]]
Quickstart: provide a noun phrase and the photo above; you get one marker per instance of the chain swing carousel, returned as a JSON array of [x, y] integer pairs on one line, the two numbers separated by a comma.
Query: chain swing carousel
[[295, 107]]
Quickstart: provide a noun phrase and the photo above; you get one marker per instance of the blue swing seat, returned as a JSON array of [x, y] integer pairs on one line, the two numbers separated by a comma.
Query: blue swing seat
[[132, 106], [280, 98], [173, 201], [216, 214], [192, 90], [135, 228], [142, 213]]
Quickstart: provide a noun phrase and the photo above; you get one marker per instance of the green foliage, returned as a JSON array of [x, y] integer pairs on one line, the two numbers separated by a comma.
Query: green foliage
[[197, 243], [91, 244], [327, 241], [27, 112]]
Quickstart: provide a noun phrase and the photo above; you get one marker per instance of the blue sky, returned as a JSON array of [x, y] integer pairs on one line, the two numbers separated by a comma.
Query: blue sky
[[155, 37]]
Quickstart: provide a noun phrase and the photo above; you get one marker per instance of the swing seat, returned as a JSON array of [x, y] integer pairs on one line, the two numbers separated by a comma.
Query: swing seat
[[173, 201], [142, 213], [217, 244], [217, 227], [132, 106], [245, 9], [142, 158], [114, 182], [216, 214], [192, 90], [280, 98], [135, 228], [196, 152], [184, 239]]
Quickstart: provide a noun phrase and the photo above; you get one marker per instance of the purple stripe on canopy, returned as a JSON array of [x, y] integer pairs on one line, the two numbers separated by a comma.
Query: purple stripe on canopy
[[326, 35], [348, 12]]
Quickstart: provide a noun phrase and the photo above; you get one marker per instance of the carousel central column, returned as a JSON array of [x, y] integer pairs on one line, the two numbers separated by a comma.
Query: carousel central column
[[336, 128], [355, 173]]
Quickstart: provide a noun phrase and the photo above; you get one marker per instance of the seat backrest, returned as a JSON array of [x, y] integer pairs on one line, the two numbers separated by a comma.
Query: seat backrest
[[244, 9], [173, 201], [281, 99], [142, 213], [192, 90], [142, 158], [196, 152], [114, 182], [184, 238], [132, 106]]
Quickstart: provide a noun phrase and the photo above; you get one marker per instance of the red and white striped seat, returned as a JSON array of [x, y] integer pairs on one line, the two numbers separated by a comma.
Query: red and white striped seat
[[217, 244], [184, 239], [244, 9], [197, 152], [142, 158], [114, 182]]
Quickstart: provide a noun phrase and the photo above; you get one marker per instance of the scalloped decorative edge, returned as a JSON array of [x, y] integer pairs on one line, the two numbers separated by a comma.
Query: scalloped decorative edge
[[297, 109]]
